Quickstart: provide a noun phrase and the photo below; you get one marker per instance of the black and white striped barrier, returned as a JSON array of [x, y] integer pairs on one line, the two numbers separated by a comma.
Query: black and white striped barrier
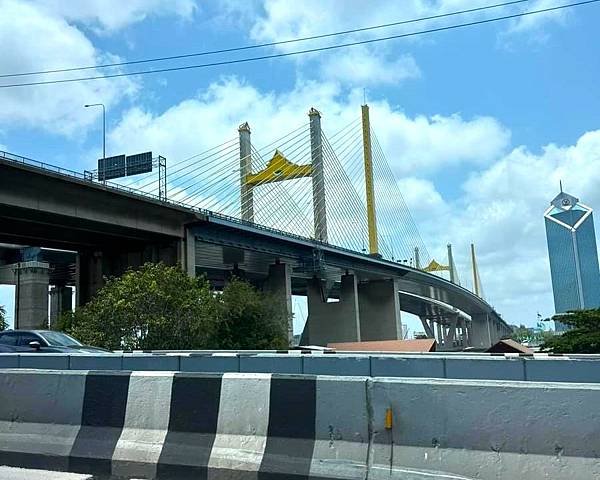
[[166, 425], [169, 425]]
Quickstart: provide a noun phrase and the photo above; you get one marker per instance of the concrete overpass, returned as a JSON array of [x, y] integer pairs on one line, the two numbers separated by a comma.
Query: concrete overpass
[[351, 296]]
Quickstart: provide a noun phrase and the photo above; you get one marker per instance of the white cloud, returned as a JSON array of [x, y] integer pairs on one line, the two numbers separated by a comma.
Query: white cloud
[[412, 144], [380, 63], [361, 68], [36, 40], [424, 144], [116, 14], [275, 20], [422, 196], [534, 25], [501, 211], [312, 17]]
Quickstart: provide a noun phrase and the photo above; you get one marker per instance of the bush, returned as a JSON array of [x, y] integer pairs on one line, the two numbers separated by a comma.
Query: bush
[[249, 319], [3, 322], [584, 337], [159, 308]]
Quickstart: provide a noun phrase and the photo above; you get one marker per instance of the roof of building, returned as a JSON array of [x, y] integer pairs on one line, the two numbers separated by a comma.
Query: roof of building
[[509, 345], [564, 201], [421, 345]]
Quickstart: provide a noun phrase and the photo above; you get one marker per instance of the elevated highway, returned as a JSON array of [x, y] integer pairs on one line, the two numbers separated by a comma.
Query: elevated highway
[[351, 296]]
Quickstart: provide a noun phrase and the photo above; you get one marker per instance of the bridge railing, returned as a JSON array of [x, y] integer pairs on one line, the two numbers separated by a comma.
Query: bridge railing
[[134, 191]]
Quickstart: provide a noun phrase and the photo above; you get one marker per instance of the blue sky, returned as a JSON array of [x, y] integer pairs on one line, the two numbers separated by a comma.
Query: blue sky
[[479, 124]]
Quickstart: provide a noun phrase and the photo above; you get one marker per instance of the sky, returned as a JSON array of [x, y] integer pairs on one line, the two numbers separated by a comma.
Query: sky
[[479, 124]]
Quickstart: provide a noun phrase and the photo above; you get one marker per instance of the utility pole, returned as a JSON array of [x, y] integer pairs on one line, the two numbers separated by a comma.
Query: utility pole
[[103, 135]]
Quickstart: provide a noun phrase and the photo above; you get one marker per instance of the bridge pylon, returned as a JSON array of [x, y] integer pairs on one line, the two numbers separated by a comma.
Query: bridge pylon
[[318, 176], [370, 190], [279, 168], [246, 193]]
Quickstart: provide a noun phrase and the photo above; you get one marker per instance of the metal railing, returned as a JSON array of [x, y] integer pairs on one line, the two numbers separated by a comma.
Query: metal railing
[[133, 191]]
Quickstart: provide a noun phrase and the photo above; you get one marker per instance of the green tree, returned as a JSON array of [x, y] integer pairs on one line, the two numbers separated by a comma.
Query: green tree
[[3, 322], [521, 334], [159, 307], [250, 319], [154, 307], [584, 336]]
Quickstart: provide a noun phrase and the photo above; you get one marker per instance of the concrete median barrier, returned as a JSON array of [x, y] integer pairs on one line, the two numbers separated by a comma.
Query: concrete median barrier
[[179, 425], [543, 368], [488, 429], [184, 425]]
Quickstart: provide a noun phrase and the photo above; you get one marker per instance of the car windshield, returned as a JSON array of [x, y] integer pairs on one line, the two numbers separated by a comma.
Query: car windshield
[[58, 339]]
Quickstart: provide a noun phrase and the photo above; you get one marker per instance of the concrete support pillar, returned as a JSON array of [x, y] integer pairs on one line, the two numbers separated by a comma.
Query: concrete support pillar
[[460, 333], [279, 285], [186, 253], [332, 321], [467, 333], [318, 176], [450, 333], [495, 332], [379, 307], [246, 194], [31, 302], [61, 301], [427, 327], [89, 276], [480, 334]]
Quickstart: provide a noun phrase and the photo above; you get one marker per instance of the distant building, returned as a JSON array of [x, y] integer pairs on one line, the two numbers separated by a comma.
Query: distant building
[[404, 332], [573, 255]]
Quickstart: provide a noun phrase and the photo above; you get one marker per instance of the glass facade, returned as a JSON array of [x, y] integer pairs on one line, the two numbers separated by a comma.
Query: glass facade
[[573, 255]]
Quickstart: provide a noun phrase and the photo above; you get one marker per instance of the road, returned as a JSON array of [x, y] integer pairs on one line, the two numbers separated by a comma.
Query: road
[[10, 473]]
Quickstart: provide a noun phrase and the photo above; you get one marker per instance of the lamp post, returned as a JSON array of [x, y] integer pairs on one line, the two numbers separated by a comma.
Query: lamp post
[[103, 134]]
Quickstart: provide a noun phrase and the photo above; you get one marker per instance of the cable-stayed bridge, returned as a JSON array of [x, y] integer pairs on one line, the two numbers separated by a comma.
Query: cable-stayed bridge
[[303, 183], [308, 214]]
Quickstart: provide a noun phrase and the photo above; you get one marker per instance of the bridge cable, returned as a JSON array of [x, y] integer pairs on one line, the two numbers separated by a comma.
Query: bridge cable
[[302, 52], [262, 45]]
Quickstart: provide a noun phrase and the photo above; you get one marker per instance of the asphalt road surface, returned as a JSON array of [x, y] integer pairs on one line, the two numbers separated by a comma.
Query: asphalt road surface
[[10, 473]]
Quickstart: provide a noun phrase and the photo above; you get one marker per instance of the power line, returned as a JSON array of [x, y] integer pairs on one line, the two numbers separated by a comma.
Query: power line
[[264, 45], [302, 52]]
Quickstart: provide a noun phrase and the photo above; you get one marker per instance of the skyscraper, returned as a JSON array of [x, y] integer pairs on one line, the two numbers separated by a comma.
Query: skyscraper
[[573, 255]]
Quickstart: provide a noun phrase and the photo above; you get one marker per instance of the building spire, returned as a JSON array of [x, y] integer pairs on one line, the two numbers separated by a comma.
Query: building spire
[[560, 183]]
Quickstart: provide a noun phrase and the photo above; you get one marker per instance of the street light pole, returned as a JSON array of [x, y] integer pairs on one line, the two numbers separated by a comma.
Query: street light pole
[[103, 134]]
